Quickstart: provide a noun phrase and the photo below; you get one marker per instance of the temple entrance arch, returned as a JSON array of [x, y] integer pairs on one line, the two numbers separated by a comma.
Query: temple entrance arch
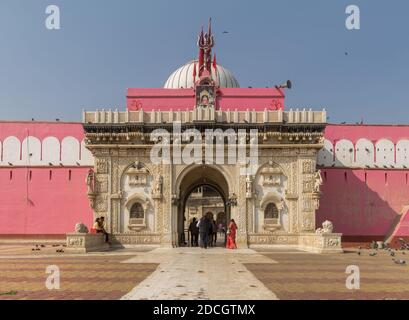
[[195, 177]]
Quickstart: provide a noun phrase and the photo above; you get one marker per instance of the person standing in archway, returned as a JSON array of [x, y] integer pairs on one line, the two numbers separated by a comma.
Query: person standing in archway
[[231, 235], [194, 233], [204, 226]]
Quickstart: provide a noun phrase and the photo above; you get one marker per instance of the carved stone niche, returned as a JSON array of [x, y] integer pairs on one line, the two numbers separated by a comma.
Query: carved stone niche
[[137, 223], [271, 176], [272, 200], [137, 176]]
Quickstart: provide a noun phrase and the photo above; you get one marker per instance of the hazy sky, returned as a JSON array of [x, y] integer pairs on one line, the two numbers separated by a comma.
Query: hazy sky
[[106, 46]]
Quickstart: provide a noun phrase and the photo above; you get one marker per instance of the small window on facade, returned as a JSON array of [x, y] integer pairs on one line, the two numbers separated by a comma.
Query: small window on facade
[[271, 211], [136, 211], [50, 175], [30, 175], [69, 175], [11, 175]]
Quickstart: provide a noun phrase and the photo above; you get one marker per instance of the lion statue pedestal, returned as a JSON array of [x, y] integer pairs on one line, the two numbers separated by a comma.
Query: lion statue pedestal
[[81, 241], [322, 241]]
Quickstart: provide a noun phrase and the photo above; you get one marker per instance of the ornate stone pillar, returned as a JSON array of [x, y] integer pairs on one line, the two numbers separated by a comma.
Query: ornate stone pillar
[[115, 213], [307, 201], [242, 213], [163, 208]]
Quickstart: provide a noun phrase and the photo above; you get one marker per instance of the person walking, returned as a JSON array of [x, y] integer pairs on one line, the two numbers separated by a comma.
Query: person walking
[[194, 233]]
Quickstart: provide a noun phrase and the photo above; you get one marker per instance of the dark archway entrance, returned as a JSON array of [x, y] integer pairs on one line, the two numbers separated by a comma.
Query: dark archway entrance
[[201, 176]]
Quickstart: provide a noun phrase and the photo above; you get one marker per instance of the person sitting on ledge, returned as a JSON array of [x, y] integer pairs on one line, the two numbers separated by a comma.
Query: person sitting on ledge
[[101, 228], [95, 226]]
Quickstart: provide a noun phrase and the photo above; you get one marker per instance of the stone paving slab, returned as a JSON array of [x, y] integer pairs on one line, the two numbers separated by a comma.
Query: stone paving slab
[[316, 276], [24, 251], [86, 277], [199, 274]]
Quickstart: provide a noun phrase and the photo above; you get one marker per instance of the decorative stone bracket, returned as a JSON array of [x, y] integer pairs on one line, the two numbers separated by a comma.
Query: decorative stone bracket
[[316, 199], [91, 199]]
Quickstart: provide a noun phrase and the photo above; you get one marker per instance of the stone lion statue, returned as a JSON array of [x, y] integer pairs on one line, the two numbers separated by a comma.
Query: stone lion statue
[[327, 227], [81, 228]]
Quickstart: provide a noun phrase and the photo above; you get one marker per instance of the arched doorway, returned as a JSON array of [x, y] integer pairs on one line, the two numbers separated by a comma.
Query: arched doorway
[[200, 176]]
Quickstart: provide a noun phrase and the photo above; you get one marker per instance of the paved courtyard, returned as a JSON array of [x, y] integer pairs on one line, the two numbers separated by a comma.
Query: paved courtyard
[[88, 277], [193, 273]]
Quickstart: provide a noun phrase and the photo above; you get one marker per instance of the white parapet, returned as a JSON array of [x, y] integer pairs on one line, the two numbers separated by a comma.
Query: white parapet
[[198, 114]]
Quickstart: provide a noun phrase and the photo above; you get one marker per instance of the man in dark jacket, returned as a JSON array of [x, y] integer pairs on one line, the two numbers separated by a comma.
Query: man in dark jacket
[[194, 233], [204, 228]]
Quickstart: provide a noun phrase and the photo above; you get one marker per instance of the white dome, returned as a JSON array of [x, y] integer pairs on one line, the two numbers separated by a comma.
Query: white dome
[[183, 77]]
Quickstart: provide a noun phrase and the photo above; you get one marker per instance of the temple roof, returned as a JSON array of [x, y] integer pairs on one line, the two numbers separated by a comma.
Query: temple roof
[[184, 77]]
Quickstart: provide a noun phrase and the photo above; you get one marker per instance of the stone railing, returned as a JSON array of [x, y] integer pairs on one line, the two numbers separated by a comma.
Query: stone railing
[[206, 115]]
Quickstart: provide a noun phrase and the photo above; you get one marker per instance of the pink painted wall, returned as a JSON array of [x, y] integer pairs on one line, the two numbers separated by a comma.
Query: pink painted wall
[[364, 201], [402, 229], [357, 206], [227, 98], [40, 130], [43, 205], [363, 206], [353, 132]]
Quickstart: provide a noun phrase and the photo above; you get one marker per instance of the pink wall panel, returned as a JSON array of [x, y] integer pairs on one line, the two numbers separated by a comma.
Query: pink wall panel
[[359, 208], [43, 206], [371, 132], [40, 130], [227, 98]]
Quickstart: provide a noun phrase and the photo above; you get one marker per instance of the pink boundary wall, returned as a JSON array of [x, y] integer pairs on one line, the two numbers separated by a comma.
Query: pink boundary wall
[[357, 206], [41, 130], [354, 132], [42, 205], [363, 203]]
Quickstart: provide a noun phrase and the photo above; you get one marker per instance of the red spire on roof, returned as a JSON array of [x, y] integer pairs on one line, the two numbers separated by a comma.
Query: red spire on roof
[[205, 43], [194, 72]]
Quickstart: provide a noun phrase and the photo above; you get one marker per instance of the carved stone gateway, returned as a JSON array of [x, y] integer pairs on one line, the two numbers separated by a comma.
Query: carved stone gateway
[[273, 203]]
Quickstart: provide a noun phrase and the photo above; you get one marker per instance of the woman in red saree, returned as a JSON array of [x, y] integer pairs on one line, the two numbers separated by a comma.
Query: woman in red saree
[[231, 235]]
